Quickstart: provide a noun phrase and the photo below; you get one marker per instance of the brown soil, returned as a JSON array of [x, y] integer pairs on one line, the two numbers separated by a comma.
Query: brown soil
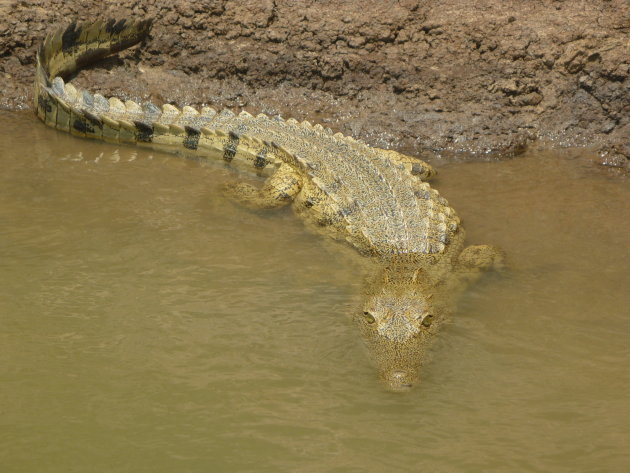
[[436, 75]]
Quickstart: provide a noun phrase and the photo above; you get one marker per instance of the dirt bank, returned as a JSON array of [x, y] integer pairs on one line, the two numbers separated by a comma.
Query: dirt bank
[[437, 75]]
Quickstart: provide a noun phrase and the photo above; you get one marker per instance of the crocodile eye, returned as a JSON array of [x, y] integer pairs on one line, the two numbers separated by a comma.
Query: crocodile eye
[[426, 321], [369, 318]]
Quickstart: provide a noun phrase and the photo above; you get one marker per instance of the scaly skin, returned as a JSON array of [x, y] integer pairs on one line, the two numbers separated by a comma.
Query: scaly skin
[[373, 200]]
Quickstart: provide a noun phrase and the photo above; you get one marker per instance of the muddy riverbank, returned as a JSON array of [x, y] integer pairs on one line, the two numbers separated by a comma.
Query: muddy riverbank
[[420, 77]]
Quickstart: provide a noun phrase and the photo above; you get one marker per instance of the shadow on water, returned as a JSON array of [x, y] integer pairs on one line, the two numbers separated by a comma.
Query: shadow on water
[[151, 325]]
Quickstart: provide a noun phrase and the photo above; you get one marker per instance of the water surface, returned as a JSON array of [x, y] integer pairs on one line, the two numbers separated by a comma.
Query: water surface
[[150, 325]]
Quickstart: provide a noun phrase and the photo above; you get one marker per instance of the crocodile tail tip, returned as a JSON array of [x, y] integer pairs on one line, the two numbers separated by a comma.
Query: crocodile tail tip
[[68, 49]]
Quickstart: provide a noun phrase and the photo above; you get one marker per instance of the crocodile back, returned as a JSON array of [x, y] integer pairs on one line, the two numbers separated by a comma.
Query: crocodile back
[[379, 200]]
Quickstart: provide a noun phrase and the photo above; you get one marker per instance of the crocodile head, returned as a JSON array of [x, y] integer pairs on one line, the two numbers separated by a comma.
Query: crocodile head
[[397, 322]]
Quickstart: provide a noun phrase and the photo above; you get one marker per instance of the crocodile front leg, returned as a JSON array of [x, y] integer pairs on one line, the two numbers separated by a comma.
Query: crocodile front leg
[[415, 166], [279, 190]]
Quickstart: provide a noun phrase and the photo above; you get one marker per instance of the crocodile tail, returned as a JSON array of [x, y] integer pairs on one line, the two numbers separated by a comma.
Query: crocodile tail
[[65, 51], [61, 105]]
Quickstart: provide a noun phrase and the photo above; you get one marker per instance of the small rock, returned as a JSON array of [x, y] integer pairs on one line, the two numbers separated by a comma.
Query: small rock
[[616, 155], [533, 98], [277, 36], [585, 82], [356, 41], [608, 126], [613, 160]]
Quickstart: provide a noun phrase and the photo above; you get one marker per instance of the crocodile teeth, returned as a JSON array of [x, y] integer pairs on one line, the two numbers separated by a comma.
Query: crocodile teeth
[[245, 114], [292, 121]]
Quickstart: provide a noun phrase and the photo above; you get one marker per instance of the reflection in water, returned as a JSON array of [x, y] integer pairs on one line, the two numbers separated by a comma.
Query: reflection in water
[[151, 325]]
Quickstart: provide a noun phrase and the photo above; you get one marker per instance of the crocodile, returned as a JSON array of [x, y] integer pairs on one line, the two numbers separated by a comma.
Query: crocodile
[[377, 202]]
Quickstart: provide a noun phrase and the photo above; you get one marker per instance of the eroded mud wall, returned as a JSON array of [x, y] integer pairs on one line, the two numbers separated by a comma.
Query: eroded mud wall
[[453, 75]]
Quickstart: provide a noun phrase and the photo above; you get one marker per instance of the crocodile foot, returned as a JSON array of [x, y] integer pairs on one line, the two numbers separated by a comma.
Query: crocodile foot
[[278, 190], [484, 257], [415, 166]]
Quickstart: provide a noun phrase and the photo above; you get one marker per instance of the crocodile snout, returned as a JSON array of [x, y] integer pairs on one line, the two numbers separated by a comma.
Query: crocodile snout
[[399, 380]]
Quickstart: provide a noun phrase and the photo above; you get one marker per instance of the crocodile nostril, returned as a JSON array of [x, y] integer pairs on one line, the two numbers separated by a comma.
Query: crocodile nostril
[[399, 380]]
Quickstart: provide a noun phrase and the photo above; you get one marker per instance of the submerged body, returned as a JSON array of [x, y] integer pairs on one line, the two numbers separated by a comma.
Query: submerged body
[[374, 200]]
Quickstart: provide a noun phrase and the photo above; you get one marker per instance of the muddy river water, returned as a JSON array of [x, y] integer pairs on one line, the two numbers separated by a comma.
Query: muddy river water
[[150, 325]]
